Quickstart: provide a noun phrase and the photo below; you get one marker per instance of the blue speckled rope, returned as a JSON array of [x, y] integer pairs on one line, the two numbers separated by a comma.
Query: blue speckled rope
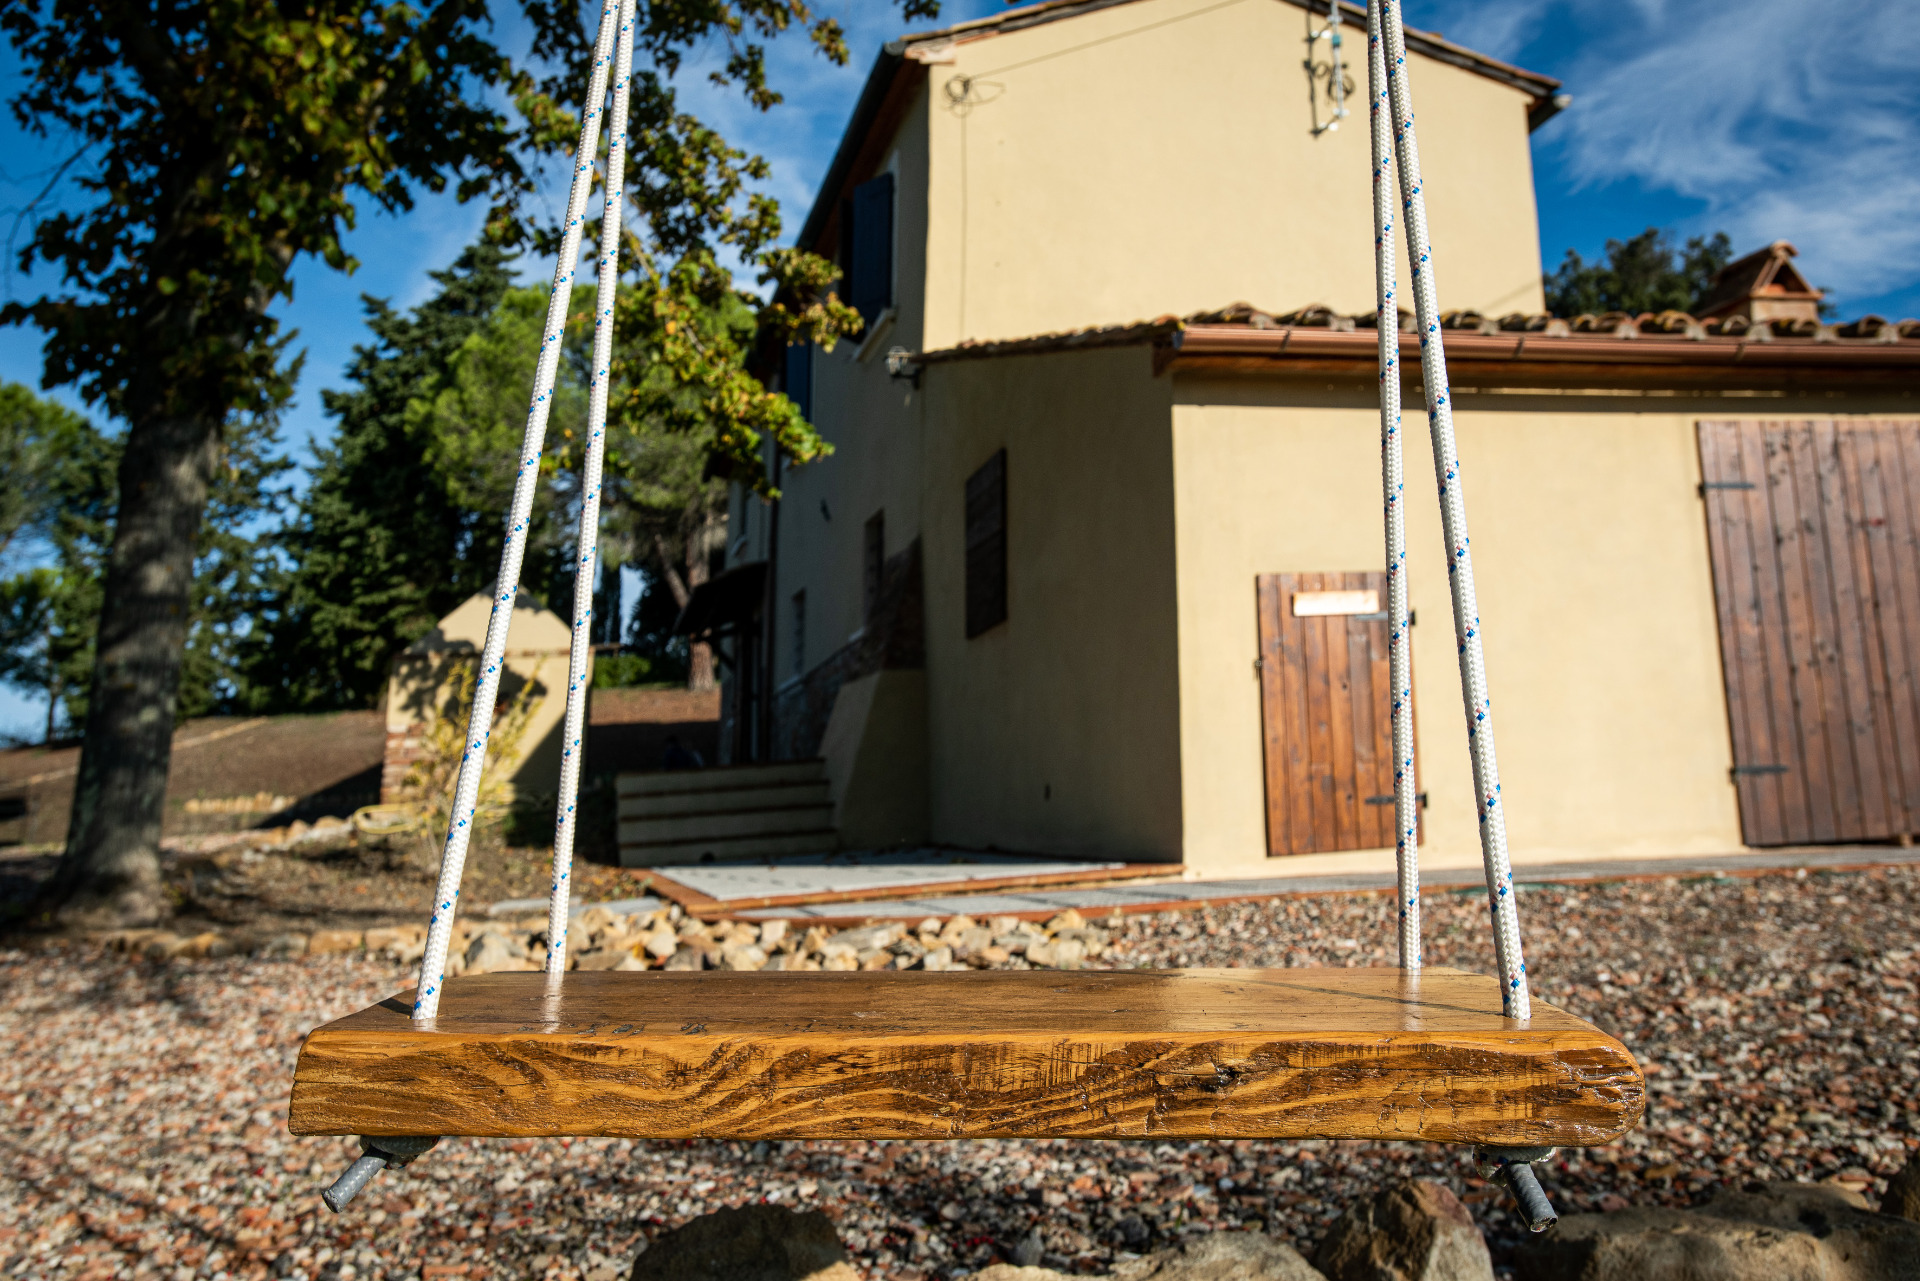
[[1508, 956], [588, 537], [1406, 799], [466, 792]]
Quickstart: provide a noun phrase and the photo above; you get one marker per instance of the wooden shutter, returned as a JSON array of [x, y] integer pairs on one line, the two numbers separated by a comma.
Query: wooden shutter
[[870, 264], [798, 378], [987, 545], [1326, 701], [1814, 534]]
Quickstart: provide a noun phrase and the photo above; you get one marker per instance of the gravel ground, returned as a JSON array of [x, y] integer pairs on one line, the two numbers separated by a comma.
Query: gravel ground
[[1776, 1016]]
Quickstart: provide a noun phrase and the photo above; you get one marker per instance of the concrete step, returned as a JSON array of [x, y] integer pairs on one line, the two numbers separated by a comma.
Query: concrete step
[[682, 853], [666, 804], [718, 778], [777, 821]]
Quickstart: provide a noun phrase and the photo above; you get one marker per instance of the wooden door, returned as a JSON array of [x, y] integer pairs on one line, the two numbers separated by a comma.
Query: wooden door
[[1814, 531], [1326, 703]]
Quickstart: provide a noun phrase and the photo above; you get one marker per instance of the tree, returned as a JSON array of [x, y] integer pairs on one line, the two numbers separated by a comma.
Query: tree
[[230, 137], [1643, 274], [378, 549], [56, 507]]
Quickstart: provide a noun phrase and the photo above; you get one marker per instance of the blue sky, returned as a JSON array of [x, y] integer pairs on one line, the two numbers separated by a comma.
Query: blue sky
[[1769, 119]]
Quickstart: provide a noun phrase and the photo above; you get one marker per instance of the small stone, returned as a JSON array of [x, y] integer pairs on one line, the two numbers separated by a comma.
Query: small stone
[[941, 958], [977, 939], [289, 944], [1014, 1272], [1067, 920], [1041, 953], [1226, 1256], [840, 961], [161, 945], [395, 938], [748, 1243], [771, 932], [687, 958], [868, 938], [495, 953], [661, 944], [323, 942], [601, 958], [1414, 1231], [742, 956]]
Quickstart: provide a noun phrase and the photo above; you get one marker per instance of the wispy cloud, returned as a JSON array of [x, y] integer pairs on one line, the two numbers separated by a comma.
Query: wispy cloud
[[1784, 120]]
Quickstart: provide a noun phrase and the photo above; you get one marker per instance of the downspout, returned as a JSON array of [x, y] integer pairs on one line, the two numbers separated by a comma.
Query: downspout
[[768, 615]]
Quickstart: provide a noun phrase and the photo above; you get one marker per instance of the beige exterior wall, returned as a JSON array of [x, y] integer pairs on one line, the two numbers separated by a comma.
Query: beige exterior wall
[[538, 644], [1056, 731], [873, 423], [1595, 596], [1159, 157]]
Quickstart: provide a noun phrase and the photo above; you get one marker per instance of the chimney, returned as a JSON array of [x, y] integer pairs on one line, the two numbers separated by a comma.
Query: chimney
[[1763, 286]]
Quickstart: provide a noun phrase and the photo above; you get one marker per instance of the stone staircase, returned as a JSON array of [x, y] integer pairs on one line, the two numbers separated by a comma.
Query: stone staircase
[[677, 817]]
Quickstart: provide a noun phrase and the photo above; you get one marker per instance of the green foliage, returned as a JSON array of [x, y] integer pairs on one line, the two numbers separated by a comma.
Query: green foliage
[[59, 511], [1639, 275], [378, 549], [49, 613], [622, 671], [237, 571]]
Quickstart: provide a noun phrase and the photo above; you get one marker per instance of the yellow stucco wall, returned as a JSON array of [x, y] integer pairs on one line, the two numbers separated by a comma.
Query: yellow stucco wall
[[1596, 602], [538, 643], [1055, 730], [1159, 157], [873, 423]]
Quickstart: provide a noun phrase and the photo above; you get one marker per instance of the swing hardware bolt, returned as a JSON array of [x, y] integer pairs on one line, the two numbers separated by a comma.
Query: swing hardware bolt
[[1513, 1169], [383, 1152]]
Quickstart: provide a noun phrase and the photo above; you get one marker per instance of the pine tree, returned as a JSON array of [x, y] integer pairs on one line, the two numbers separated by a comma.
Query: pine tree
[[1643, 274], [380, 549]]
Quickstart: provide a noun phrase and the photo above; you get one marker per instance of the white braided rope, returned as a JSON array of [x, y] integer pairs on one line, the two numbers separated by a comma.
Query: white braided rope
[[1515, 998], [1406, 801], [565, 819], [466, 792]]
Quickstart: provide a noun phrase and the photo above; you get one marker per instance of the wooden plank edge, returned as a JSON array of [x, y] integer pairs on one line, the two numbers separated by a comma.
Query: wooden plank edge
[[1254, 1104]]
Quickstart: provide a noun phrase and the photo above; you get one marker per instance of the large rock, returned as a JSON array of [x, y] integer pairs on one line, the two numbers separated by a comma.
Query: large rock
[[1667, 1245], [1776, 1231], [1217, 1256], [1903, 1193], [748, 1243], [1414, 1231], [1222, 1256]]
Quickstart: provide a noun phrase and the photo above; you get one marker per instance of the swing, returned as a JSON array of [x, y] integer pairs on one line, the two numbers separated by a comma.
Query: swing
[[1405, 1053]]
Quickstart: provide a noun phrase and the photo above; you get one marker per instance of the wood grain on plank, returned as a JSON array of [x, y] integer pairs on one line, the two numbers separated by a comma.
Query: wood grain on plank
[[1208, 1054]]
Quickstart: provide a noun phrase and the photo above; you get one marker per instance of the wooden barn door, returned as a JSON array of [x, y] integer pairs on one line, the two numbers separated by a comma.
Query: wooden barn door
[[1326, 706], [1814, 530]]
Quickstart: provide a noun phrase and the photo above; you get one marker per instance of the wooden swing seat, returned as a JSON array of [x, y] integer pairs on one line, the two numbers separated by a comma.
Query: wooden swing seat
[[1178, 1054]]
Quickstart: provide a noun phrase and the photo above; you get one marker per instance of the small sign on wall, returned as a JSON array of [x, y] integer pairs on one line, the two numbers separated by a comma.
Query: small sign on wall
[[1327, 604]]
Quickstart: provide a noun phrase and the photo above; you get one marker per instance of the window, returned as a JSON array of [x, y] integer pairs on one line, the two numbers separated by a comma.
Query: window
[[873, 560], [866, 248], [799, 632], [797, 380], [987, 545]]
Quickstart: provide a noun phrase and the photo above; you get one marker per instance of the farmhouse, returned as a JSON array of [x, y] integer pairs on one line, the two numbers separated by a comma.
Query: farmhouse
[[1094, 569]]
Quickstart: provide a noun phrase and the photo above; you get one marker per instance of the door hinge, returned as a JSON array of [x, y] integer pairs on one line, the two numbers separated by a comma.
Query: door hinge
[[1740, 771], [1705, 485], [1388, 800]]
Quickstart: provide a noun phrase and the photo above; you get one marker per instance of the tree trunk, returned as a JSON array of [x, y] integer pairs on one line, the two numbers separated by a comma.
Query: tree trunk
[[109, 875], [700, 673]]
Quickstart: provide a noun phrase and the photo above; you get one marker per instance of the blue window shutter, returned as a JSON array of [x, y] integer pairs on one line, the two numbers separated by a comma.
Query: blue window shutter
[[870, 272], [798, 379]]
